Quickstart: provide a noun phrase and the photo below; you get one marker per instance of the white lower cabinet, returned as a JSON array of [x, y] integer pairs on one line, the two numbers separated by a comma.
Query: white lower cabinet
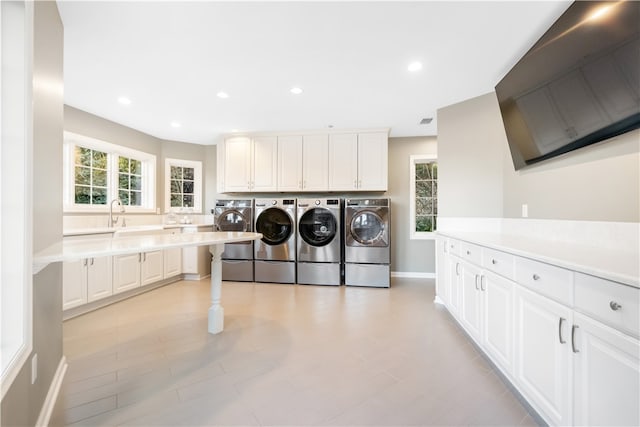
[[606, 375], [543, 368], [135, 270], [85, 281], [172, 262], [567, 341]]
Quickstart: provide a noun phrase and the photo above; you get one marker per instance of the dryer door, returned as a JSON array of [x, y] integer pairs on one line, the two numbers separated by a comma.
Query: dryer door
[[233, 220], [318, 227], [368, 227], [275, 225]]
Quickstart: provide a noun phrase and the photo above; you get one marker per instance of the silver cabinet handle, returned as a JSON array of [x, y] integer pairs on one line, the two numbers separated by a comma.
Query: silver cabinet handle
[[615, 306], [355, 183], [144, 257], [84, 264], [457, 269], [536, 277], [560, 322], [468, 252], [573, 339], [483, 288], [476, 280], [304, 184], [139, 257], [92, 259], [494, 262]]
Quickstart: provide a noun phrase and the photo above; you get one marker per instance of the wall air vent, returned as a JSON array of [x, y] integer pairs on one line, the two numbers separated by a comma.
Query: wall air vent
[[426, 120]]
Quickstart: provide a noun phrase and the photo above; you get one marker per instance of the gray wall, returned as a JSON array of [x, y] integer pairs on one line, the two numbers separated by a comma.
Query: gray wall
[[90, 125], [22, 404], [407, 255], [477, 177]]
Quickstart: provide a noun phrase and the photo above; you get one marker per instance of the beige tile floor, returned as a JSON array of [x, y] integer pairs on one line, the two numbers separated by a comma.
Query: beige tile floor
[[289, 355]]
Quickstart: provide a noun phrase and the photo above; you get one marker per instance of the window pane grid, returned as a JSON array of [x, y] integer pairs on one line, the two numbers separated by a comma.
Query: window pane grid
[[426, 193], [182, 187], [130, 181], [90, 176]]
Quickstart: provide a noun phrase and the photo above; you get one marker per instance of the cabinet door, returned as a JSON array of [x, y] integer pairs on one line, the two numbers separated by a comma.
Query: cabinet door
[[372, 161], [454, 282], [442, 271], [74, 284], [172, 262], [190, 260], [265, 164], [126, 272], [343, 162], [497, 316], [99, 283], [315, 162], [152, 267], [543, 368], [470, 300], [289, 163], [606, 375], [237, 164]]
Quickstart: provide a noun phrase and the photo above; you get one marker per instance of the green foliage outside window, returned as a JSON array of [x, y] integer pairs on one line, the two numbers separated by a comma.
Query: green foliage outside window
[[182, 187], [90, 176], [426, 175]]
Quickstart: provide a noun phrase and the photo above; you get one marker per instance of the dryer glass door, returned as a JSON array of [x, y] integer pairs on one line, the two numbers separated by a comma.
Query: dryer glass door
[[368, 228], [318, 227], [233, 220], [275, 225]]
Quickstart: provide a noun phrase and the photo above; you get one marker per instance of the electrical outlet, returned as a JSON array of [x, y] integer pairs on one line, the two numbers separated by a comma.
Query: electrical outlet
[[34, 368], [525, 210]]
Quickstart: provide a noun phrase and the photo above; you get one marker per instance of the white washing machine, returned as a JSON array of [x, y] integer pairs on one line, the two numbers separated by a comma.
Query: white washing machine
[[237, 258], [319, 242], [367, 243], [275, 253]]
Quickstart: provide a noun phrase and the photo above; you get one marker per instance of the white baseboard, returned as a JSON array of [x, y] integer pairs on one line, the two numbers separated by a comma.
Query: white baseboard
[[413, 275], [52, 394]]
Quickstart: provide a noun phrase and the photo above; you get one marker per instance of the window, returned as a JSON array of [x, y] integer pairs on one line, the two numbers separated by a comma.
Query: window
[[16, 161], [97, 172], [423, 196], [183, 185]]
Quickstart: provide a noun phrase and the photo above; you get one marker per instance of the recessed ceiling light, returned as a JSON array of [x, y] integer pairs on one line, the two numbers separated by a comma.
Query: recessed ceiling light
[[175, 124], [415, 66], [296, 90], [124, 100], [223, 95]]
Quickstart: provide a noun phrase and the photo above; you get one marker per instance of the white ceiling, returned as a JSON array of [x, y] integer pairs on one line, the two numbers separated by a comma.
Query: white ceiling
[[172, 58]]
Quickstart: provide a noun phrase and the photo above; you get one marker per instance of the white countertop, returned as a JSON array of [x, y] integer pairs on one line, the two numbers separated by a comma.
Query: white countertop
[[107, 230], [621, 266], [73, 250]]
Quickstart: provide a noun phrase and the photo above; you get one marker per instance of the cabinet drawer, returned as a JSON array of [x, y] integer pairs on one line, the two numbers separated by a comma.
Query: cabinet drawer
[[546, 279], [453, 246], [610, 302], [470, 252], [499, 262]]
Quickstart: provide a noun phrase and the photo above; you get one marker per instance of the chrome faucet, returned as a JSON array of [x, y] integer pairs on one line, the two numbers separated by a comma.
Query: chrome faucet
[[113, 221]]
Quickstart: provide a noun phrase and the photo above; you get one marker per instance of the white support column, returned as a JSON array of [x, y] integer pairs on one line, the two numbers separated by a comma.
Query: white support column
[[216, 311]]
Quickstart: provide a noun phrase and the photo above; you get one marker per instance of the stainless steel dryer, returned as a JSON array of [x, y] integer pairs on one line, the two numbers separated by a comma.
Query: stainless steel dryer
[[237, 258], [367, 249], [319, 241], [275, 253]]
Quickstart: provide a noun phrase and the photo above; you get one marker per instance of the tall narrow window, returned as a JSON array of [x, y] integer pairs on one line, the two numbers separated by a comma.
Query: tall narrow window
[[423, 196], [183, 184], [130, 181], [91, 176]]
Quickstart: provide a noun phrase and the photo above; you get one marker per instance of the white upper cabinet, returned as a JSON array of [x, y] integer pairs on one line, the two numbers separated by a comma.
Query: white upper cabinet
[[372, 161], [315, 162], [237, 161], [340, 161], [250, 164], [290, 163], [343, 161]]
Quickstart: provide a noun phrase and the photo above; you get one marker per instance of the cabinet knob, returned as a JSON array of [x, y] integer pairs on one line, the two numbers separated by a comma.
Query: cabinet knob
[[494, 262], [468, 252], [615, 306], [536, 277]]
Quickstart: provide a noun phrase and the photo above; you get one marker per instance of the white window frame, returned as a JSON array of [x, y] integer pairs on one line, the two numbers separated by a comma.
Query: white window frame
[[197, 184], [413, 160], [71, 140], [16, 190]]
